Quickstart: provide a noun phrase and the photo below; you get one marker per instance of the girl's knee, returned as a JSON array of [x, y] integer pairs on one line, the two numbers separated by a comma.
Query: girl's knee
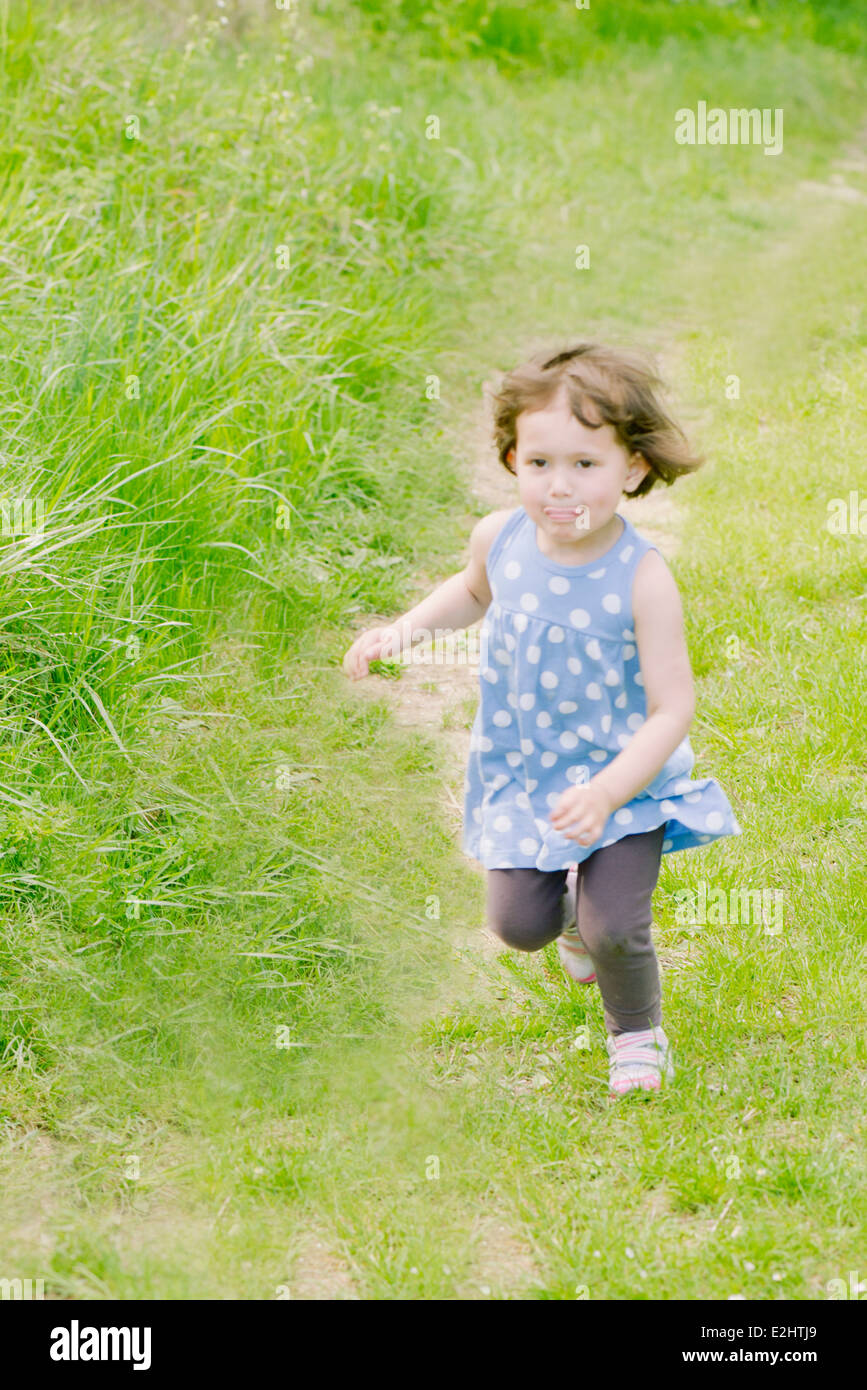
[[608, 941], [518, 934], [524, 908]]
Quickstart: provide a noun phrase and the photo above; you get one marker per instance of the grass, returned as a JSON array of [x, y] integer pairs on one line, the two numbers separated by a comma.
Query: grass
[[229, 1014]]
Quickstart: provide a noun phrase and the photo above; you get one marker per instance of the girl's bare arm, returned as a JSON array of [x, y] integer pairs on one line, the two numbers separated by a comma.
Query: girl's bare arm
[[668, 682], [455, 604]]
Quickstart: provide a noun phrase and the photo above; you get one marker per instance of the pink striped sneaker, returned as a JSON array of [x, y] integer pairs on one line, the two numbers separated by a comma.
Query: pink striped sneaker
[[639, 1061], [570, 948]]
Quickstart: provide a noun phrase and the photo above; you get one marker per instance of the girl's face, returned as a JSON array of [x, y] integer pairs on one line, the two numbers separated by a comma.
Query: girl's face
[[570, 474]]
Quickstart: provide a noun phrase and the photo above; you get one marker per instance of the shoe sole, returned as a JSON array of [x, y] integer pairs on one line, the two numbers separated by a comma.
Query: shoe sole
[[576, 979], [646, 1084], [649, 1086]]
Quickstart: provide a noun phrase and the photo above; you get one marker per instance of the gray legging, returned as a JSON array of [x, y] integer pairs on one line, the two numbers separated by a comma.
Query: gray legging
[[615, 887]]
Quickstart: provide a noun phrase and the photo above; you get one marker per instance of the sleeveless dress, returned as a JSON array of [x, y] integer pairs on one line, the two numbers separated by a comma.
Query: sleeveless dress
[[561, 694]]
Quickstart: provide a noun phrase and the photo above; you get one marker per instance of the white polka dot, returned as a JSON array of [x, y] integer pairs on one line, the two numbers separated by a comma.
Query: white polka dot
[[512, 700], [598, 755], [485, 744], [522, 800], [666, 844], [531, 786], [529, 602], [541, 826], [683, 786], [628, 652], [527, 701], [527, 747], [611, 677], [621, 700], [611, 603], [585, 732], [592, 649], [578, 773], [520, 620], [638, 678], [568, 739], [543, 719], [552, 798], [596, 574], [513, 759], [605, 723], [693, 796], [544, 852], [567, 707], [549, 680], [528, 846], [505, 864], [623, 816], [634, 721], [626, 553], [502, 718], [548, 759], [486, 844], [579, 617], [556, 634], [593, 692], [628, 634], [714, 821], [623, 740], [668, 808], [607, 842], [502, 656], [703, 839], [502, 823], [490, 675], [534, 654], [558, 585], [574, 665], [512, 570], [509, 641]]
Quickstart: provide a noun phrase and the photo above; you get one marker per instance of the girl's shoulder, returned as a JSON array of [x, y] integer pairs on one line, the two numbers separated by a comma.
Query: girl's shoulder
[[489, 533], [504, 524], [654, 587], [485, 542]]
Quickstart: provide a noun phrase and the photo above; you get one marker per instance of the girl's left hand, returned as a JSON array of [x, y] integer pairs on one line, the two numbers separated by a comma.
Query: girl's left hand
[[581, 812]]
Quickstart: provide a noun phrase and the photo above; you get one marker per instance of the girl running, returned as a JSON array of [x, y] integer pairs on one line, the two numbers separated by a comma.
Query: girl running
[[579, 765]]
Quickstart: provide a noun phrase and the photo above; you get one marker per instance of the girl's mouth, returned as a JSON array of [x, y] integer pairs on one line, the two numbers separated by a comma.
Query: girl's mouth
[[562, 513]]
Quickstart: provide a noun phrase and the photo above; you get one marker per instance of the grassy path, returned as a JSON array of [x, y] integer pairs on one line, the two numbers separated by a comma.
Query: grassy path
[[752, 1194], [286, 1075], [738, 1197]]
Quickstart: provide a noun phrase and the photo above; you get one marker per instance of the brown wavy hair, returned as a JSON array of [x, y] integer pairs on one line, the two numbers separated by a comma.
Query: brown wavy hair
[[623, 386]]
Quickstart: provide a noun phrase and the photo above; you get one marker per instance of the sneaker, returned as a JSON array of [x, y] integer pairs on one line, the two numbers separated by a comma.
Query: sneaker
[[570, 948], [639, 1061]]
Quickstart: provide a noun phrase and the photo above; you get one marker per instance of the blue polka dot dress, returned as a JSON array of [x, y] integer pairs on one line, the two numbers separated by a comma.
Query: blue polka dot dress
[[560, 696]]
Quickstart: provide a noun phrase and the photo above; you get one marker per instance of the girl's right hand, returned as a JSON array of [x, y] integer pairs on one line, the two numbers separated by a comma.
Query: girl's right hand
[[371, 646]]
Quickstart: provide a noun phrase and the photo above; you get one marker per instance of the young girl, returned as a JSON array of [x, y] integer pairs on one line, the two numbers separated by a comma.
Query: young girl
[[579, 762]]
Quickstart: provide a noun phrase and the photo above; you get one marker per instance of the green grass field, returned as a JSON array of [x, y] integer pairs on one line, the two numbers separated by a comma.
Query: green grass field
[[239, 1058]]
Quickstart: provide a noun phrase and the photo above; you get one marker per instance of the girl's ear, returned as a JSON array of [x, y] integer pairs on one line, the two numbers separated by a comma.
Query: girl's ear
[[510, 459], [638, 469]]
